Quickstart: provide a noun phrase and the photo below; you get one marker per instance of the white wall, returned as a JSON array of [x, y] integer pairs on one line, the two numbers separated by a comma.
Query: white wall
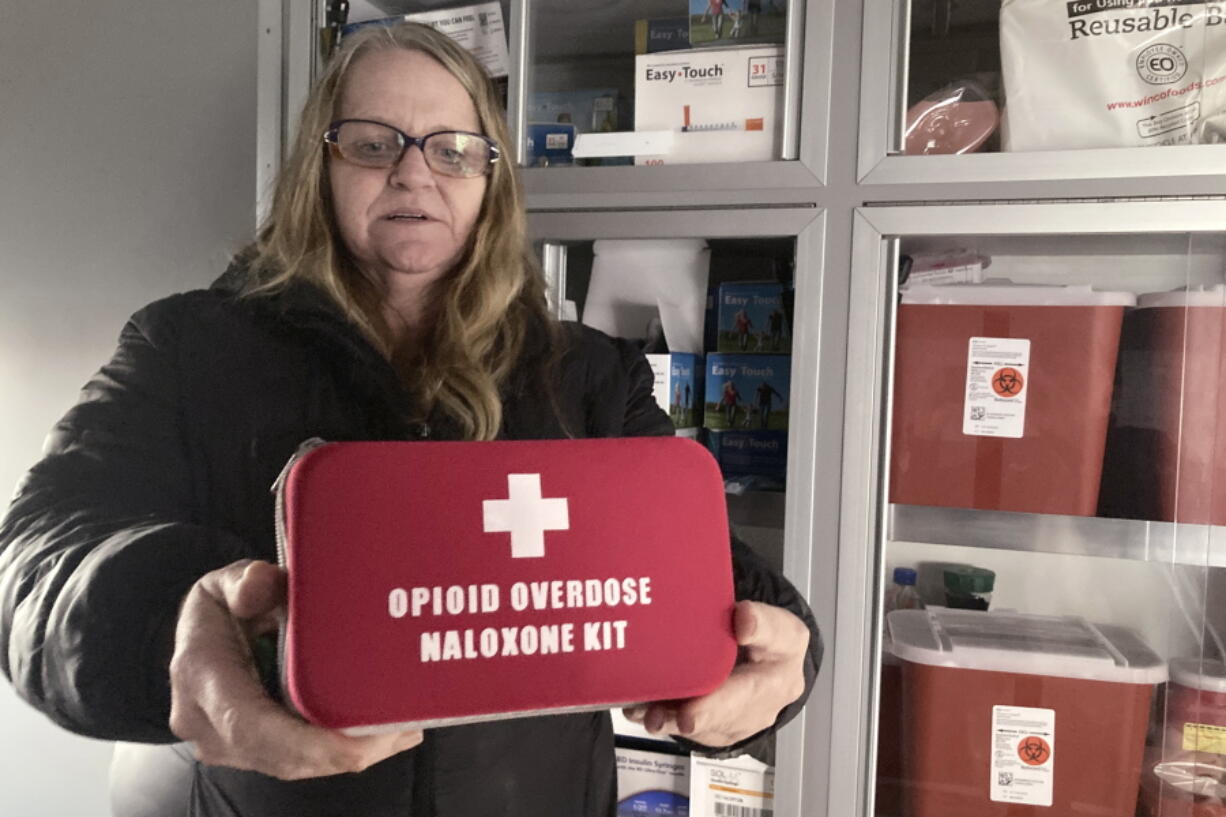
[[127, 172]]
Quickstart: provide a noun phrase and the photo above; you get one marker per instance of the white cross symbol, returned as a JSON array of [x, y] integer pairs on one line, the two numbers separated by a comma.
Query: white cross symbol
[[525, 515]]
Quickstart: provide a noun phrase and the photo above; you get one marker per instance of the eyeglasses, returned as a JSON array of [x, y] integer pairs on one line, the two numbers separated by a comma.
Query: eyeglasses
[[447, 152]]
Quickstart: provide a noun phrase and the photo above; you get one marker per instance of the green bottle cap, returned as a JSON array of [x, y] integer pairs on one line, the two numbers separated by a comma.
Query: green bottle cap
[[964, 580]]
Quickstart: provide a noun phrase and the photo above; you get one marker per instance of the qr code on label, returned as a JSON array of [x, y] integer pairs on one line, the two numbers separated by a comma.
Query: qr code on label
[[1004, 778], [978, 412]]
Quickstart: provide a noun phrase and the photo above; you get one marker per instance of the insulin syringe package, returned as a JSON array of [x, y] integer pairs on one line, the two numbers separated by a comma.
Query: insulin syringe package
[[436, 583], [1112, 73]]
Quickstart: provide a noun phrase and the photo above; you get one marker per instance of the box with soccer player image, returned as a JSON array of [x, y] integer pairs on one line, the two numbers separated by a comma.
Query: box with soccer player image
[[737, 22], [747, 392], [751, 319], [678, 387], [750, 453]]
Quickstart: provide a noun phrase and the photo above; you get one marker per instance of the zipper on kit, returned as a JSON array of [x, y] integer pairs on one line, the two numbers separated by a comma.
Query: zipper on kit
[[278, 489]]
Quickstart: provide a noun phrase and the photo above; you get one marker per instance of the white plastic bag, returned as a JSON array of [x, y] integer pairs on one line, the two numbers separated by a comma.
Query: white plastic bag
[[1112, 73]]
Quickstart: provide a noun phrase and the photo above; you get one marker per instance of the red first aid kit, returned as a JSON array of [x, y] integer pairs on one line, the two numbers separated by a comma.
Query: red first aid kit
[[435, 583]]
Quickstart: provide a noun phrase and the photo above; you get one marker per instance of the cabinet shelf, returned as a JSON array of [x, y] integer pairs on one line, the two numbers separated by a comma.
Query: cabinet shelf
[[1173, 543]]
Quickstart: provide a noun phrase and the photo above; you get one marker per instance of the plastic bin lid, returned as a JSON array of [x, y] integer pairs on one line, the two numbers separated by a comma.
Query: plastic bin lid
[[1056, 646], [998, 294], [1214, 295], [1205, 674]]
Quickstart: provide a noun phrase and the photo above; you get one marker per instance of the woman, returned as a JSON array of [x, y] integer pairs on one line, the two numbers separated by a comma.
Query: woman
[[389, 296]]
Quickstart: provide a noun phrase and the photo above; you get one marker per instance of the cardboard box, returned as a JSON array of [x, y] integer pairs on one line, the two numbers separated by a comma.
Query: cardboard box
[[736, 786], [678, 387], [747, 392], [661, 34], [750, 453], [740, 22], [652, 783], [594, 110], [478, 28], [750, 319], [550, 143], [953, 267], [722, 104]]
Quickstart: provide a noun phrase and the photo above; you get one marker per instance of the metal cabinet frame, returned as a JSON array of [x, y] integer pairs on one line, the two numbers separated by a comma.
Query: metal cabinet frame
[[810, 534], [865, 521], [843, 193]]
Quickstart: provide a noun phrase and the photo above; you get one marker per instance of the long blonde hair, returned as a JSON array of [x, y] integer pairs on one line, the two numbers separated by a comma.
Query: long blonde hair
[[487, 305]]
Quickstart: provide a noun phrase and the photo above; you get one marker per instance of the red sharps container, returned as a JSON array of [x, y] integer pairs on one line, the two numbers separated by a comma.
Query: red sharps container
[[1166, 451], [1010, 715], [1002, 396], [1185, 766]]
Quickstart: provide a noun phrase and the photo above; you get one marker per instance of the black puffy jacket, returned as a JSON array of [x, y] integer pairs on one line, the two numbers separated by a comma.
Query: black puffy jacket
[[161, 473]]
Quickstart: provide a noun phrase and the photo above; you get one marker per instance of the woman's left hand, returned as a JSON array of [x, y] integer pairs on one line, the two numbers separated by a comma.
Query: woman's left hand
[[768, 676]]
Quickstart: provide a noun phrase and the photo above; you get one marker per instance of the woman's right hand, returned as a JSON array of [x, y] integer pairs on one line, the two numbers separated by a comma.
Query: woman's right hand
[[218, 702]]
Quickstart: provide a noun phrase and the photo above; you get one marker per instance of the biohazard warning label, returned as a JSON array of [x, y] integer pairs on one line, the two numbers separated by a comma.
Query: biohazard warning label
[[1023, 755], [997, 374]]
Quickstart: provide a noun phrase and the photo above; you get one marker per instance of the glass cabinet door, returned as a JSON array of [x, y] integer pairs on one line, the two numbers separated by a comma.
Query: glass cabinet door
[[651, 83], [727, 305], [634, 99], [1043, 587], [1030, 89], [481, 26], [661, 87]]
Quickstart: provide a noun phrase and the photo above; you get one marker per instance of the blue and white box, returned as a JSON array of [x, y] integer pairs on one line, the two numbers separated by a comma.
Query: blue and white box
[[747, 392], [750, 453], [678, 387], [751, 320], [657, 34], [593, 110], [550, 143], [652, 783]]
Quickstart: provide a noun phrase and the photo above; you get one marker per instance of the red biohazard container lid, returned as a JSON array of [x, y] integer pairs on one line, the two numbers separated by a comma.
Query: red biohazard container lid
[[1054, 646], [449, 582]]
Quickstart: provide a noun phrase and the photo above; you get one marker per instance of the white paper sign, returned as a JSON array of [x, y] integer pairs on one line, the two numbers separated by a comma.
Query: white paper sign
[[478, 28], [997, 384], [1023, 755]]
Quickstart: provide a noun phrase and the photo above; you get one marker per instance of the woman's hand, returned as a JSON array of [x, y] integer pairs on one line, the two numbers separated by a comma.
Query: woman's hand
[[218, 702], [768, 676]]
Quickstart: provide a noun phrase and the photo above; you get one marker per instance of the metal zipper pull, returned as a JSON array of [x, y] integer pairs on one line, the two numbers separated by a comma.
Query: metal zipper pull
[[278, 490], [304, 448]]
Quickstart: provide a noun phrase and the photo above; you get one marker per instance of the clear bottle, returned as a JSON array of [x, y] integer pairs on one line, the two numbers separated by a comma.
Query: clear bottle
[[901, 594]]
